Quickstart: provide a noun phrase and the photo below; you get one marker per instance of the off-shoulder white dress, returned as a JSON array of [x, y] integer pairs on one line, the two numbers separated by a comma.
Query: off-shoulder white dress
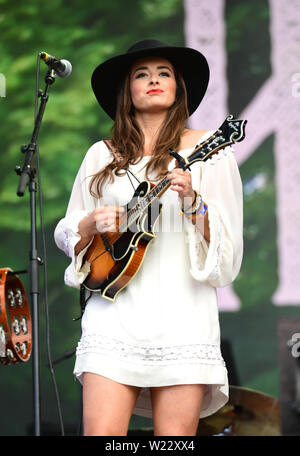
[[163, 329]]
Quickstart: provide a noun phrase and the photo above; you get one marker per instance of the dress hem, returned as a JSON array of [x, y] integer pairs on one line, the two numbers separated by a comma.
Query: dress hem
[[213, 376]]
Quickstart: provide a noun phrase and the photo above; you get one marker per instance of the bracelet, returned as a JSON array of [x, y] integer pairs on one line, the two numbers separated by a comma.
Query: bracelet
[[196, 208], [195, 198], [203, 209], [200, 209]]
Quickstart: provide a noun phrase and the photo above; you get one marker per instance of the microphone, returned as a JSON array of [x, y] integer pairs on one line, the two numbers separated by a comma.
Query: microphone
[[62, 68]]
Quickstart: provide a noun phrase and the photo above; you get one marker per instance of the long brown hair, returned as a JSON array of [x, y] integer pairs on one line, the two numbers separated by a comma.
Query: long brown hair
[[127, 139]]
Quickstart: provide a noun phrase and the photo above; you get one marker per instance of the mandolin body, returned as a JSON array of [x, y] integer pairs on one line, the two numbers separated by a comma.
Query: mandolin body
[[113, 259]]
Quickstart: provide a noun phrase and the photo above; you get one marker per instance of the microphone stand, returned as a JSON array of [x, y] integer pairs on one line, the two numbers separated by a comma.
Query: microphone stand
[[27, 177]]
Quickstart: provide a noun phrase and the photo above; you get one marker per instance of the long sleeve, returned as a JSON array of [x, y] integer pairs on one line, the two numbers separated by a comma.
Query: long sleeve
[[218, 262], [81, 203]]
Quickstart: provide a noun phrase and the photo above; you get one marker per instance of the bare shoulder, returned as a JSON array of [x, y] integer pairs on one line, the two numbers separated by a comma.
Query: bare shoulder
[[190, 138]]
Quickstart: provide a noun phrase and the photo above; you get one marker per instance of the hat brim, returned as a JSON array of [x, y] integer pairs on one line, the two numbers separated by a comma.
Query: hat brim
[[191, 64]]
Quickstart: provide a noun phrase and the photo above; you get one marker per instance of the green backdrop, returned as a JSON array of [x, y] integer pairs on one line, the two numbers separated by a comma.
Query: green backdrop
[[86, 33]]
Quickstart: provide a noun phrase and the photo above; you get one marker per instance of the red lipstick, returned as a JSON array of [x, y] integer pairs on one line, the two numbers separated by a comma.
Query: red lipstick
[[155, 91]]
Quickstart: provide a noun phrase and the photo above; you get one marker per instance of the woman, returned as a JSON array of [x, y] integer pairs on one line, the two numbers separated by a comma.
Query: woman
[[155, 350]]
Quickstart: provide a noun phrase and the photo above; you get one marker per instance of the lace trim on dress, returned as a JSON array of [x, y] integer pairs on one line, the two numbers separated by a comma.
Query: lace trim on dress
[[66, 232], [209, 260], [204, 353], [62, 237], [206, 258], [199, 248], [221, 154], [216, 272], [66, 237]]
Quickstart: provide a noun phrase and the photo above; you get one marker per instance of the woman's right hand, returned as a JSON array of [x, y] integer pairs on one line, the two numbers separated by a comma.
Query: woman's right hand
[[100, 220]]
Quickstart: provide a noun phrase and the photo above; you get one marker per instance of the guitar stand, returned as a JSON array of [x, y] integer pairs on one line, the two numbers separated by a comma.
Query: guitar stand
[[27, 177]]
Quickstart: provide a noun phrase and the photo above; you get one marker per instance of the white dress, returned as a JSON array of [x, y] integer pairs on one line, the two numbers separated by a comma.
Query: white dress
[[163, 328]]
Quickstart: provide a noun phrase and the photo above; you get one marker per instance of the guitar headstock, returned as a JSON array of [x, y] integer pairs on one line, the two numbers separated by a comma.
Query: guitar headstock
[[231, 131]]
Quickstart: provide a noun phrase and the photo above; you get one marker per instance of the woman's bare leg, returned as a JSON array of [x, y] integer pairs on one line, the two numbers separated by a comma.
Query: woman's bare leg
[[107, 405], [176, 409]]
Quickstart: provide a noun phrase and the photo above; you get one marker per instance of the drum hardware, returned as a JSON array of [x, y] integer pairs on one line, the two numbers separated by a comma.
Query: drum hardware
[[247, 413], [294, 344], [288, 335]]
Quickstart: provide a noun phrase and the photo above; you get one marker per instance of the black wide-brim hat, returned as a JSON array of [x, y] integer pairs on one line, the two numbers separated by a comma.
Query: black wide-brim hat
[[109, 75]]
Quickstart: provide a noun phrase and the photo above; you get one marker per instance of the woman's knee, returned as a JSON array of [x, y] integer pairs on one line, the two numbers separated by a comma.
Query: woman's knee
[[176, 431], [94, 428]]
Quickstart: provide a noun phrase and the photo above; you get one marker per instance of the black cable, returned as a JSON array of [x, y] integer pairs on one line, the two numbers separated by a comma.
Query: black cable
[[45, 258]]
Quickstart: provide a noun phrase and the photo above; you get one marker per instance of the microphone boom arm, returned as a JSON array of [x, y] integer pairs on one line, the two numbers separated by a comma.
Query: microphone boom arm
[[28, 170]]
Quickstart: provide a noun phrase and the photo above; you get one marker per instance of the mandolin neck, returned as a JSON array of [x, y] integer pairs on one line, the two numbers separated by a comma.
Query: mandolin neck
[[159, 189], [155, 192], [231, 131]]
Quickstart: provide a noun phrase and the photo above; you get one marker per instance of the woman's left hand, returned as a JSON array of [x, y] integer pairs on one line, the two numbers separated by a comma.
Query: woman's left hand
[[181, 182]]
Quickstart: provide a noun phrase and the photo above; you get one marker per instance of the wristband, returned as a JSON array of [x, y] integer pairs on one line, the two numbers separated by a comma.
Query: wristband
[[196, 208], [195, 198], [203, 209], [200, 209]]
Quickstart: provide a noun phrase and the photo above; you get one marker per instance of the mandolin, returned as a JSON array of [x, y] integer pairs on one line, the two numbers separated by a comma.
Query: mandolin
[[114, 258]]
